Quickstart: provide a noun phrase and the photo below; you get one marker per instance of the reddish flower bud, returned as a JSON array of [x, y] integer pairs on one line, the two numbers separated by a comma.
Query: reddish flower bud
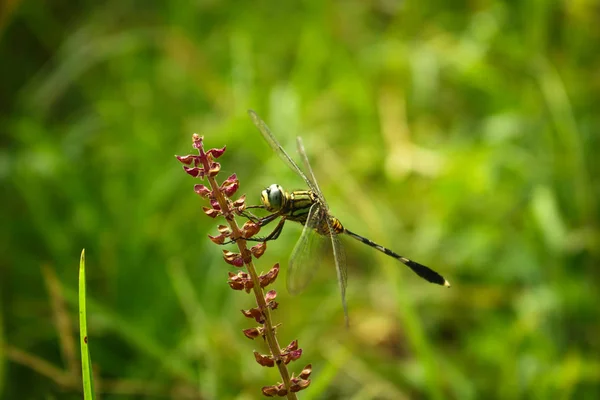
[[195, 172], [295, 354], [197, 141], [254, 313], [306, 372], [214, 169], [224, 229], [240, 202], [215, 204], [292, 346], [264, 360], [269, 277], [202, 190], [230, 255], [236, 285], [297, 385], [216, 153], [240, 281], [248, 285], [219, 239], [282, 390], [231, 179], [258, 249], [289, 356], [270, 296], [247, 313], [189, 160], [269, 299], [250, 229], [253, 333], [230, 189], [211, 212], [273, 305], [232, 258], [270, 391]]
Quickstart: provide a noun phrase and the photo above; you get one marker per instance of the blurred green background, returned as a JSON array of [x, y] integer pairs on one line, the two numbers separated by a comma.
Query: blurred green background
[[460, 134]]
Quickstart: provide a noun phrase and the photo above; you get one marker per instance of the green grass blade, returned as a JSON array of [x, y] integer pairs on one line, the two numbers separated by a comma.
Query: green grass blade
[[86, 361]]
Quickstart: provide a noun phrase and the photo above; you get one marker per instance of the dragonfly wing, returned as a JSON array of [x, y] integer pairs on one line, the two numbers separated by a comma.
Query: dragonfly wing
[[311, 175], [305, 258], [266, 133], [340, 267]]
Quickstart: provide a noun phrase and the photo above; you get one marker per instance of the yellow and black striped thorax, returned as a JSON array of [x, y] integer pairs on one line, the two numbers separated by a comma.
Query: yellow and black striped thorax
[[298, 204]]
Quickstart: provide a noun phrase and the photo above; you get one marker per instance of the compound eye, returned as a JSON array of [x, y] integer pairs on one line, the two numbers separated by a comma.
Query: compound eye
[[274, 192], [272, 198]]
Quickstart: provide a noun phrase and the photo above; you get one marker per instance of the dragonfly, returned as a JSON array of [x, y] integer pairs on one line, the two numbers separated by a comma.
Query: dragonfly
[[309, 208]]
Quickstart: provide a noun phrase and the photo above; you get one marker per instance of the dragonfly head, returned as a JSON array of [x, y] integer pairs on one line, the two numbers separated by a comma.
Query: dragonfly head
[[273, 198]]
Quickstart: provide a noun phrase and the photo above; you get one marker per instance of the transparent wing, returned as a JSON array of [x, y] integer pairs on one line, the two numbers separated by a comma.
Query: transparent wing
[[266, 133], [308, 169], [340, 267], [338, 251], [306, 256]]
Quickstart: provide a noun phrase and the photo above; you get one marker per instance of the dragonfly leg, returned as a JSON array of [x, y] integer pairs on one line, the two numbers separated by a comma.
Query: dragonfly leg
[[268, 219], [262, 222], [271, 236], [276, 232], [251, 217]]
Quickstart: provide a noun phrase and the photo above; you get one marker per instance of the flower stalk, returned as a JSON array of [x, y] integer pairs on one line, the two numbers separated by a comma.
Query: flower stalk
[[204, 166]]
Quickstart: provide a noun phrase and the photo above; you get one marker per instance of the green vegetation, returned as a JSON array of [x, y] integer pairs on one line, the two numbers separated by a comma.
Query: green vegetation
[[86, 362], [459, 134]]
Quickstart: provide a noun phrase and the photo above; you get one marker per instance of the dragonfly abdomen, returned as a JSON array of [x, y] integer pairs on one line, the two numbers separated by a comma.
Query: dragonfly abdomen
[[335, 223], [424, 272]]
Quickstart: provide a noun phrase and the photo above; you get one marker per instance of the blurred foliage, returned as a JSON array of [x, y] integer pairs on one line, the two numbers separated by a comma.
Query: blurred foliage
[[460, 134]]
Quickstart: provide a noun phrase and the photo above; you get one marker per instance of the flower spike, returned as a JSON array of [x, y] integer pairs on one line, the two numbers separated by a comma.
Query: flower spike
[[219, 196]]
